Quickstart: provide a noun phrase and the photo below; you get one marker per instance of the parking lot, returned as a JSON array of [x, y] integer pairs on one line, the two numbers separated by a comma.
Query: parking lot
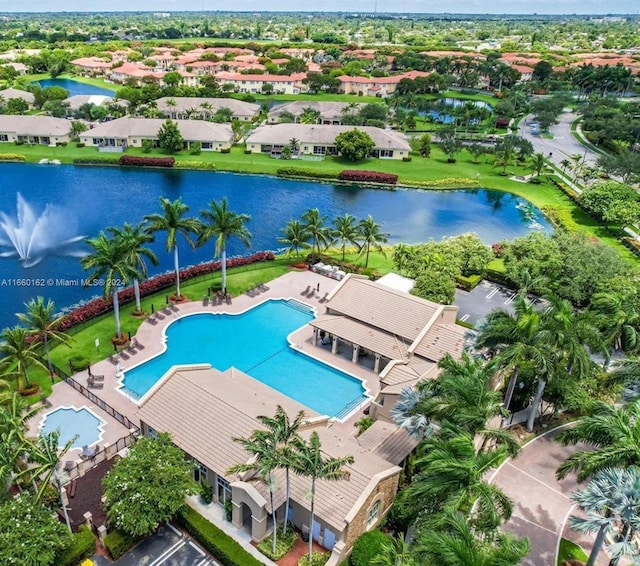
[[166, 547]]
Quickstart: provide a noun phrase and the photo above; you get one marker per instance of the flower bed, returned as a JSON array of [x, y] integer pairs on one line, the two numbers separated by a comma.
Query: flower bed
[[368, 177], [137, 161], [99, 306]]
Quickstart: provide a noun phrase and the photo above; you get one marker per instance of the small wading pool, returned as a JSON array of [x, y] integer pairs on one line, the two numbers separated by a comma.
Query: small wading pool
[[255, 342], [70, 422]]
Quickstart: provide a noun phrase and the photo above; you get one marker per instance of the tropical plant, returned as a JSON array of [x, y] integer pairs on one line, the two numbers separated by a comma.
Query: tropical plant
[[108, 263], [17, 353], [618, 317], [314, 224], [295, 236], [613, 438], [174, 223], [41, 323], [133, 239], [370, 236], [538, 163], [311, 463], [345, 229], [222, 224]]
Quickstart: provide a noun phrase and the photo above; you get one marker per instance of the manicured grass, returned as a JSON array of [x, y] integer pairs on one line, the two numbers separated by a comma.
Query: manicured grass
[[569, 550]]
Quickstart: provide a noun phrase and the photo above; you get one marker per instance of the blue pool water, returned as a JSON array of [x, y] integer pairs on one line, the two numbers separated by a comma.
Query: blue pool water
[[75, 87], [71, 422], [254, 342]]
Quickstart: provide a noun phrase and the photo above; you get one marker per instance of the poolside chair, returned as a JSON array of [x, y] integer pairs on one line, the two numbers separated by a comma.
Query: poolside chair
[[137, 344], [307, 290], [324, 299], [205, 301], [95, 384], [151, 319], [94, 377], [113, 358], [229, 298]]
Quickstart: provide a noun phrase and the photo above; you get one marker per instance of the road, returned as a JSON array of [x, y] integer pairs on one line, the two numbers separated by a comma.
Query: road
[[563, 145]]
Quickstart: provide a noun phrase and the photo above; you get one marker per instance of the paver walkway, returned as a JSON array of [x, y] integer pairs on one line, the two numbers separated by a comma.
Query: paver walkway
[[542, 504]]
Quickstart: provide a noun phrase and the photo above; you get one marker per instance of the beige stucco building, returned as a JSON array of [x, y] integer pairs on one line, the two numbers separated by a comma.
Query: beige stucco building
[[182, 107], [42, 130]]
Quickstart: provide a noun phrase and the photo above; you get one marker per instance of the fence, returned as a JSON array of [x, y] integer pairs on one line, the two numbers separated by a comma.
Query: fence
[[103, 405]]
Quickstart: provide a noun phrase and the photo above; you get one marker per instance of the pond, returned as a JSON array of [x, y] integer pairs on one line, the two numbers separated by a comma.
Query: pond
[[75, 87], [45, 210]]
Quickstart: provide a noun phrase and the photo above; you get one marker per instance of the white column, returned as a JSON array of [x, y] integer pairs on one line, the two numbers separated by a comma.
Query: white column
[[354, 357]]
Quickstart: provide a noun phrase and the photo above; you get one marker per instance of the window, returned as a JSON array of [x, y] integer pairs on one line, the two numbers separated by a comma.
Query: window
[[373, 514], [4, 137], [386, 153]]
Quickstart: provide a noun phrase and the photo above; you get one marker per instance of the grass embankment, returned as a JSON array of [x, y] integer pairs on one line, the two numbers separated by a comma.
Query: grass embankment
[[98, 82], [569, 550]]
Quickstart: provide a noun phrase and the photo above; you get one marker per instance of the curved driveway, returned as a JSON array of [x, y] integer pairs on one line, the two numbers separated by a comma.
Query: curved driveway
[[541, 503]]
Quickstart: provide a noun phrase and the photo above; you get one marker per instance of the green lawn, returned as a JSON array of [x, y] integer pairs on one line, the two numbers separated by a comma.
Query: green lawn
[[569, 550]]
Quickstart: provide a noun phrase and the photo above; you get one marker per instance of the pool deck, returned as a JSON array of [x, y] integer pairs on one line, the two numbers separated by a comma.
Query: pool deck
[[289, 286]]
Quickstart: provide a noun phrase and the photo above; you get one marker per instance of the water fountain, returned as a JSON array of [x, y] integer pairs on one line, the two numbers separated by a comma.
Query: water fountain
[[32, 237]]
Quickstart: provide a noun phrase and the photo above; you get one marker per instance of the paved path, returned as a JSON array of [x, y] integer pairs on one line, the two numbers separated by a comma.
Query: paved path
[[541, 503]]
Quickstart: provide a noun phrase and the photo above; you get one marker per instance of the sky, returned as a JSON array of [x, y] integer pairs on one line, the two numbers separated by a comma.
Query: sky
[[417, 6]]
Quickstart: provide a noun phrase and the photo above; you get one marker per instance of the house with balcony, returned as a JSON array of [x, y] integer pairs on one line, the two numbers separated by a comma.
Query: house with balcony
[[375, 86], [319, 140], [91, 66], [253, 84], [330, 112]]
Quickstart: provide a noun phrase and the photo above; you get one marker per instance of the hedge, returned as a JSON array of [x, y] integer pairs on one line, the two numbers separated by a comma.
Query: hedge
[[368, 176], [367, 547], [138, 161], [107, 160], [99, 306], [224, 549], [302, 172], [83, 545], [468, 282], [118, 542], [12, 157], [450, 182], [185, 164]]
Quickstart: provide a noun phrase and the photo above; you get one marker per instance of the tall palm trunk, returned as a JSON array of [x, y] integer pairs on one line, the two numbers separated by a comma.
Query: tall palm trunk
[[287, 503], [223, 267], [64, 507], [313, 504], [46, 349], [116, 311], [597, 545], [510, 388], [136, 292], [273, 517], [176, 267], [536, 403]]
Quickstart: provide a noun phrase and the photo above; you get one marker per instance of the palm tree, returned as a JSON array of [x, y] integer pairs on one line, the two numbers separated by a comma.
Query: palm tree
[[371, 237], [610, 499], [173, 222], [108, 263], [345, 230], [451, 474], [17, 353], [134, 238], [293, 144], [263, 447], [285, 433], [613, 438], [41, 323], [538, 163], [314, 224], [311, 463], [395, 552], [452, 541], [295, 236], [618, 317], [222, 224]]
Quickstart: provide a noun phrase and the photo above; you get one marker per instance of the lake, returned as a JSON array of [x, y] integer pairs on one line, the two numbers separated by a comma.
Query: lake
[[62, 203], [75, 87]]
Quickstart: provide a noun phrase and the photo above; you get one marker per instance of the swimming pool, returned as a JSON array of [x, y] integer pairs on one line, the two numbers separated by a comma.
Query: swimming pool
[[70, 421], [254, 342]]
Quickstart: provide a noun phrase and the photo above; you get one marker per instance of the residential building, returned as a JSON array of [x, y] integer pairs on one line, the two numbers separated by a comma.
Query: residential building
[[42, 130], [282, 84], [78, 100], [204, 108], [119, 134], [19, 68], [330, 112], [375, 86], [92, 66], [320, 140], [9, 93]]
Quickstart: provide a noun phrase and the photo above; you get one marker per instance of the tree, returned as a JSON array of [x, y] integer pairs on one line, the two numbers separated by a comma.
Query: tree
[[613, 202], [222, 224], [613, 437], [133, 239], [617, 315], [424, 145], [504, 154], [295, 235], [30, 534], [108, 263], [311, 463], [371, 237], [612, 498], [354, 145], [345, 230], [169, 137], [452, 541], [449, 143], [149, 486], [174, 223], [538, 163], [17, 353], [309, 116], [434, 285], [314, 224], [41, 323], [395, 552]]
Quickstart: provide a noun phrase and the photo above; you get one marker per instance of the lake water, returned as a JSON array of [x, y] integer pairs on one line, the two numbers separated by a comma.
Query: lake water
[[85, 200], [75, 87]]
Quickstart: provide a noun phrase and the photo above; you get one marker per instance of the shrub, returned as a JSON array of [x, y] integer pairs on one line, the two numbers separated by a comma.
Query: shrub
[[468, 282], [83, 545], [363, 424], [317, 559], [135, 161], [302, 172], [79, 144], [12, 157], [224, 549], [147, 146], [225, 150], [206, 492], [18, 142], [61, 144], [106, 160], [367, 547], [78, 363], [283, 544], [560, 218], [118, 542], [362, 176], [195, 148], [184, 164], [448, 183], [406, 159], [248, 152]]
